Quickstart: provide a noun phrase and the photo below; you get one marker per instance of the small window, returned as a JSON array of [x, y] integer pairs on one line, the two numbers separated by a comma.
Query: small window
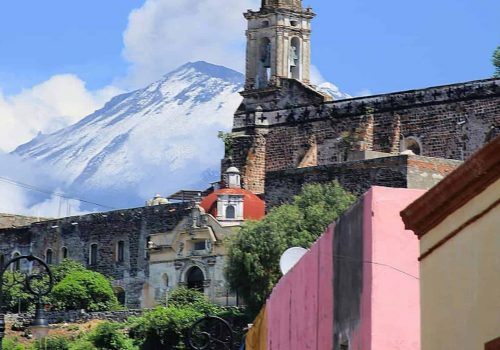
[[265, 24], [64, 252], [200, 245], [294, 23], [230, 212], [17, 265], [93, 254], [165, 280], [48, 256], [2, 260], [120, 253]]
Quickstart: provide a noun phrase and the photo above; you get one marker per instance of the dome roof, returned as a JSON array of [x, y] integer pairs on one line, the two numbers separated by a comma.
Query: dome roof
[[232, 170], [253, 206]]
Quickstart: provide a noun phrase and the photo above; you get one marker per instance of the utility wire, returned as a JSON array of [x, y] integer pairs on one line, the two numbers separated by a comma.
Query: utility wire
[[52, 193], [374, 263]]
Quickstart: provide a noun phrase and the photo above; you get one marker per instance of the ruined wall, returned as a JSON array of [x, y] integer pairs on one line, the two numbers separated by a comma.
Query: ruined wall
[[447, 122], [10, 220], [132, 226], [358, 176]]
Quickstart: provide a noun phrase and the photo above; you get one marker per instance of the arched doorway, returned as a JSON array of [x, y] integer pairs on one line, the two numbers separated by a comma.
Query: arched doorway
[[195, 279], [120, 295]]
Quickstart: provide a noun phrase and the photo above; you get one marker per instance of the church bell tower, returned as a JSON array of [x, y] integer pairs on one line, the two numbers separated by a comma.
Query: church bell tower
[[278, 43]]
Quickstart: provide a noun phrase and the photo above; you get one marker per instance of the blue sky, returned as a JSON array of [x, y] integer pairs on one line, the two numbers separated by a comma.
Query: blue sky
[[382, 46]]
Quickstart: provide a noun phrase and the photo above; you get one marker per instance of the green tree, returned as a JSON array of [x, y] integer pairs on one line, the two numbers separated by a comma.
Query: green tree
[[51, 343], [496, 62], [64, 268], [164, 327], [84, 289], [253, 257], [110, 336], [185, 297]]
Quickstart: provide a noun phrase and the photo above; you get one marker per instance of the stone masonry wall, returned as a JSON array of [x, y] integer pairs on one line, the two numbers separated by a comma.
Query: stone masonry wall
[[74, 316], [358, 176], [10, 220], [448, 122], [132, 226]]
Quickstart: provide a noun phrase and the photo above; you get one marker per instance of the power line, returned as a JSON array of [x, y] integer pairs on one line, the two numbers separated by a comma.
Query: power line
[[375, 263], [51, 193]]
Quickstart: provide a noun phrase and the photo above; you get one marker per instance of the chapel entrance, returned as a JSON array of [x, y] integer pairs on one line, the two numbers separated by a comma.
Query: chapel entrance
[[195, 279]]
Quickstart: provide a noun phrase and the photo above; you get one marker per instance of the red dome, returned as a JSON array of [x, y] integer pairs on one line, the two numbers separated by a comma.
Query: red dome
[[253, 206]]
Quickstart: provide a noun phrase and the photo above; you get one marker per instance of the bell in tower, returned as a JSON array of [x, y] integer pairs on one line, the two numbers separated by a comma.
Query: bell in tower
[[278, 44]]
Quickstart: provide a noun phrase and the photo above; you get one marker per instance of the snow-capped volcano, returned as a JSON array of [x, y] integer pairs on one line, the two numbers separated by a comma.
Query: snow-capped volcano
[[148, 140], [158, 139]]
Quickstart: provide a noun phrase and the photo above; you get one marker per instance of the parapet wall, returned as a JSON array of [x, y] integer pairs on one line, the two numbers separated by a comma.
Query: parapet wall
[[404, 171]]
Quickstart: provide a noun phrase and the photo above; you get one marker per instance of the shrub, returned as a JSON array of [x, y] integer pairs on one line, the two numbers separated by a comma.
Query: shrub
[[84, 289], [184, 297], [51, 343], [110, 336], [164, 328], [12, 343]]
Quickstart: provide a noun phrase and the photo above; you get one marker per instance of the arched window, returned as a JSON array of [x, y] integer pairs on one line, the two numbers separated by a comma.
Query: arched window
[[120, 251], [120, 295], [412, 144], [264, 73], [93, 254], [17, 265], [230, 212], [64, 253], [48, 256], [294, 59], [195, 279], [164, 278]]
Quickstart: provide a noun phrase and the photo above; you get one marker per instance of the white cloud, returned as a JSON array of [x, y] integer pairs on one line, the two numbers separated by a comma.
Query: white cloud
[[164, 34], [20, 186], [316, 76], [364, 92], [58, 102]]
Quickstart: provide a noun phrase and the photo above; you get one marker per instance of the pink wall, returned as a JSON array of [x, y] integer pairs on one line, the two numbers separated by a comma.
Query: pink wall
[[395, 296], [300, 309]]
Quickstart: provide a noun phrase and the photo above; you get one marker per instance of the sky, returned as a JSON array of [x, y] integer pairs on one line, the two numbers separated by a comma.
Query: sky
[[60, 60]]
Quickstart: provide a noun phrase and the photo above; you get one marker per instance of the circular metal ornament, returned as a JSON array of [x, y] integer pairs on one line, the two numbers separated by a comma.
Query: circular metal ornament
[[211, 333]]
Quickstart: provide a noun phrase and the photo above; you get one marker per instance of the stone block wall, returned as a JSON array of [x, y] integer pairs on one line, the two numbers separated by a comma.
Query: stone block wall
[[13, 221], [78, 233], [402, 171], [75, 316], [449, 122]]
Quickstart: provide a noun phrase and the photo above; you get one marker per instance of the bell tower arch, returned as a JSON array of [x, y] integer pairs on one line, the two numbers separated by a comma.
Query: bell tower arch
[[278, 43]]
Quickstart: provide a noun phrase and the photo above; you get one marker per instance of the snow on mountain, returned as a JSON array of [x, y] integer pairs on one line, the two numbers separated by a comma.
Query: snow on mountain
[[332, 90], [158, 139], [148, 140]]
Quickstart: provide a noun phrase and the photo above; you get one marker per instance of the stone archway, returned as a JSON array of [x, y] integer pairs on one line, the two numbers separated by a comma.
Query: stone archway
[[195, 279]]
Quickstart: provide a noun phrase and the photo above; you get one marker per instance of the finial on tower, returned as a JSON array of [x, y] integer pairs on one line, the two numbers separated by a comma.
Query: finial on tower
[[287, 4]]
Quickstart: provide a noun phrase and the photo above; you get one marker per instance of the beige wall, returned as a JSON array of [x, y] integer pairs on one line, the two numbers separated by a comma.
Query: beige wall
[[460, 280]]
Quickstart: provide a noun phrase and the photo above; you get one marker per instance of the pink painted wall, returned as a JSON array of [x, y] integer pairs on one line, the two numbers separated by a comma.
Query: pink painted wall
[[300, 309], [395, 296]]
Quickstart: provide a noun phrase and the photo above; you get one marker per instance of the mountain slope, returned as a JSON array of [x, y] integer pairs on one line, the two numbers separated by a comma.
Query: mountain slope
[[170, 126], [157, 139]]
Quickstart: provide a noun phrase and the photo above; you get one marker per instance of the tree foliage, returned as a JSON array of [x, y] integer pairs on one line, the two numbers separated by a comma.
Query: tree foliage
[[185, 297], [253, 258], [495, 59], [84, 289]]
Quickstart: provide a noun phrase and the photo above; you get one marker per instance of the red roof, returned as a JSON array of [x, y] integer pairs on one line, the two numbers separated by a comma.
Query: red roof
[[253, 206]]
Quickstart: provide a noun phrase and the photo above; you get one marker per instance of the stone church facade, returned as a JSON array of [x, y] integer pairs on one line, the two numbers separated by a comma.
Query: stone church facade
[[286, 133]]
